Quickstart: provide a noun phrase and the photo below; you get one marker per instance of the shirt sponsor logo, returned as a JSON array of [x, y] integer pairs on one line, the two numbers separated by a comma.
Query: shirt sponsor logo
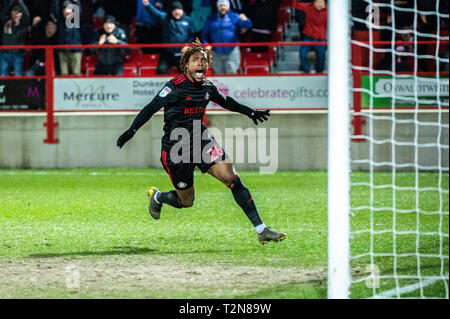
[[165, 91], [194, 110]]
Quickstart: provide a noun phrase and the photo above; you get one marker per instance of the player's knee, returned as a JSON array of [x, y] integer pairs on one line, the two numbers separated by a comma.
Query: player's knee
[[235, 183]]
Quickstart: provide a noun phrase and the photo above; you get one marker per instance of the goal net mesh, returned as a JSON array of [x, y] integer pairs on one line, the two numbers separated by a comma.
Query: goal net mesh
[[399, 239]]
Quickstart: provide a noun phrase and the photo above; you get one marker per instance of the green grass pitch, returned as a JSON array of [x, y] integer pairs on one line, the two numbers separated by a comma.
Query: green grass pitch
[[96, 221]]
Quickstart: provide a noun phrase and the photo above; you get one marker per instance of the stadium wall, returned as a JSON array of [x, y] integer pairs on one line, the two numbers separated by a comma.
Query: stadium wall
[[88, 140]]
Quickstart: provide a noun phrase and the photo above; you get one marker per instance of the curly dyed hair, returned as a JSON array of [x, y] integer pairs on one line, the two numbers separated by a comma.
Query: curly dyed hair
[[188, 51]]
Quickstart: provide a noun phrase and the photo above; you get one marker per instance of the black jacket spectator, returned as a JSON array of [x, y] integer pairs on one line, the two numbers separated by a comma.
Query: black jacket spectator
[[14, 23], [110, 61], [43, 10], [67, 35], [115, 55], [69, 59], [15, 33], [176, 27], [41, 34], [121, 10], [264, 21], [174, 30]]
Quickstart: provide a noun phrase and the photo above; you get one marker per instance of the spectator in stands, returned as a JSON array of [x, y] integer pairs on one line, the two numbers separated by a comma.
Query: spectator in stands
[[110, 61], [403, 62], [14, 25], [264, 21], [315, 31], [187, 5], [300, 17], [237, 6], [148, 28], [176, 28], [87, 21], [201, 10], [68, 35], [224, 27], [41, 34], [122, 10], [43, 10]]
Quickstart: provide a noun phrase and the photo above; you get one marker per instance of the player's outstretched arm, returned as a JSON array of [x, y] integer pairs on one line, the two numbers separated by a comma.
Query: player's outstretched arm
[[144, 115], [260, 116], [231, 104], [166, 96], [125, 137]]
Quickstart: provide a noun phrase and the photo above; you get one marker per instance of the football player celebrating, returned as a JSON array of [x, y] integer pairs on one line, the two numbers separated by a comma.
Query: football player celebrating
[[184, 99]]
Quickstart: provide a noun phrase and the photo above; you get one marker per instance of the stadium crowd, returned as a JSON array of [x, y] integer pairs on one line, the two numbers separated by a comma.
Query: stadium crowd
[[103, 22]]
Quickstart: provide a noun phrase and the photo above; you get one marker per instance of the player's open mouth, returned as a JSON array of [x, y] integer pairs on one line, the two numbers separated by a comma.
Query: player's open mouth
[[199, 74]]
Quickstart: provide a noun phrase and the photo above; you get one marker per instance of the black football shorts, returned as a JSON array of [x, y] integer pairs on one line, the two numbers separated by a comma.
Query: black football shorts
[[182, 174]]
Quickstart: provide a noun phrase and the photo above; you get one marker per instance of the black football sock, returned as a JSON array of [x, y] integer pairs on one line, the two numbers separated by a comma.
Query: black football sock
[[171, 198], [244, 199]]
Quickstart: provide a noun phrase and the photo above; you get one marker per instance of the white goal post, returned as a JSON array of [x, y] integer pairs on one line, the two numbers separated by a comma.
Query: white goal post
[[388, 174], [338, 149]]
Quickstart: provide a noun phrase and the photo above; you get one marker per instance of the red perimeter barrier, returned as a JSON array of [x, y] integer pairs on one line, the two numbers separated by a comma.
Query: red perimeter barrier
[[50, 72]]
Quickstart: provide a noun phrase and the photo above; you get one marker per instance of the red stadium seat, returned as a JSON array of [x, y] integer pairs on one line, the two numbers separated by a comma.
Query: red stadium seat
[[256, 58], [90, 63], [90, 71], [256, 69], [147, 70], [253, 62], [149, 59], [133, 55], [273, 55], [173, 71], [148, 64], [278, 34], [284, 17], [130, 68]]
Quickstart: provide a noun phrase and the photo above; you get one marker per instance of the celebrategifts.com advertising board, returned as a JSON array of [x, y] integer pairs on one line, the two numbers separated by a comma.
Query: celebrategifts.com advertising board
[[274, 92]]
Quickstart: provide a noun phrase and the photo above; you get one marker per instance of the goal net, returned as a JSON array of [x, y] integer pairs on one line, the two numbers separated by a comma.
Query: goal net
[[399, 179]]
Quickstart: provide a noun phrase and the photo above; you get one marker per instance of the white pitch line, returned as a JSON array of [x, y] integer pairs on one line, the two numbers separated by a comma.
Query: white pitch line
[[407, 289]]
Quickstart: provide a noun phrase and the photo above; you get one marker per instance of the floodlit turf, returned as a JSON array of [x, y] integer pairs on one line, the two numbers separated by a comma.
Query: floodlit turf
[[96, 220]]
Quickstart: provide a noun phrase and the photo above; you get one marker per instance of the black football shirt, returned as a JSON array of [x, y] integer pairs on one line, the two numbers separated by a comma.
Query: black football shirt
[[184, 102]]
